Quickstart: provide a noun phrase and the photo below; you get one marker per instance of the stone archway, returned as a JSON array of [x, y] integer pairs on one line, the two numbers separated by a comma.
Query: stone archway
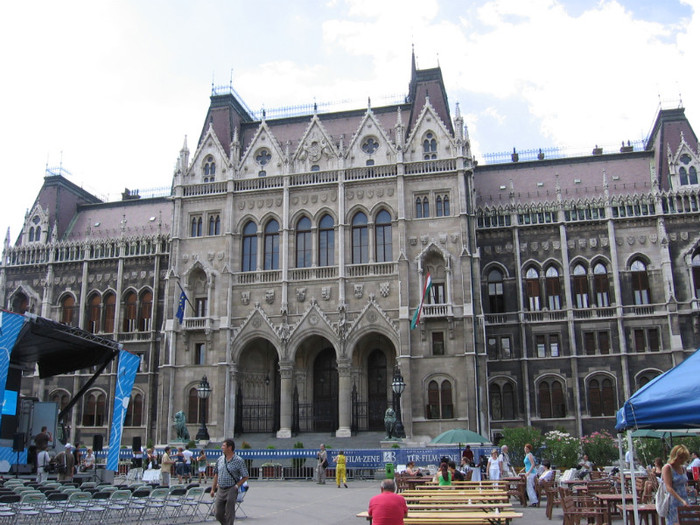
[[325, 391]]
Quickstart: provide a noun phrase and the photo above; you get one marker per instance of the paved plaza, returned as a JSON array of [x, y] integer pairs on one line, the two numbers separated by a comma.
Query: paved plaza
[[306, 503]]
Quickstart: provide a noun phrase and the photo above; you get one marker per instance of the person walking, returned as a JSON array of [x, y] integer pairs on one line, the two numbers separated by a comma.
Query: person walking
[[495, 466], [531, 474], [166, 467], [340, 474], [230, 474], [64, 463], [387, 507], [322, 465], [507, 468], [676, 480]]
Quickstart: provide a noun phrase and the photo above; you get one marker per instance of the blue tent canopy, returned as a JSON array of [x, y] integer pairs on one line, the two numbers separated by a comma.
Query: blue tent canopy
[[669, 401]]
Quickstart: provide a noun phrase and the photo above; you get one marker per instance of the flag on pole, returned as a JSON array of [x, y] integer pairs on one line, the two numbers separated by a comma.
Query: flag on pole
[[426, 291], [180, 314]]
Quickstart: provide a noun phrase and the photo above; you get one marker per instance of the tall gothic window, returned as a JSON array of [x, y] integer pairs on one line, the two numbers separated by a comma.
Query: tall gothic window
[[440, 400], [502, 401], [194, 406], [145, 309], [601, 285], [68, 313], [326, 241], [134, 411], [360, 240], [640, 282], [532, 289], [553, 288], [580, 286], [272, 246], [250, 247], [130, 312], [601, 397], [550, 395], [214, 224], [94, 314], [303, 243], [382, 236], [429, 146], [110, 302], [94, 409], [496, 299]]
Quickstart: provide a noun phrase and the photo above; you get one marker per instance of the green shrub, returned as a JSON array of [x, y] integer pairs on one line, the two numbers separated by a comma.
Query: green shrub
[[516, 438], [562, 449], [245, 444], [601, 448]]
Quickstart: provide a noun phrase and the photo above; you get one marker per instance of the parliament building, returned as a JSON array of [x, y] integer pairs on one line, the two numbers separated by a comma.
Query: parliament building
[[301, 244]]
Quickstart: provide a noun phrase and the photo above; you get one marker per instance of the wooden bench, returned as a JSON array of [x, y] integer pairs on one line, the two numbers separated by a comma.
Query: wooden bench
[[440, 517]]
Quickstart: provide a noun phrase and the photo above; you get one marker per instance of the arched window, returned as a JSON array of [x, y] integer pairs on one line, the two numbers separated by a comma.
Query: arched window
[[382, 237], [250, 247], [145, 309], [692, 179], [438, 206], [532, 289], [601, 397], [68, 310], [553, 288], [194, 407], [196, 226], [426, 207], [130, 312], [134, 411], [446, 205], [695, 262], [643, 379], [209, 169], [580, 286], [271, 251], [640, 282], [502, 400], [429, 147], [110, 301], [683, 174], [326, 241], [94, 409], [303, 243], [440, 400], [37, 232], [214, 224], [60, 398], [20, 303], [419, 208], [496, 300], [31, 234], [94, 314], [551, 399], [601, 286], [360, 240]]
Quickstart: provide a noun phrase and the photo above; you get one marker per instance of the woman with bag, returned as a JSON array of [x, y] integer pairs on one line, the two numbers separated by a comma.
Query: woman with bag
[[675, 481]]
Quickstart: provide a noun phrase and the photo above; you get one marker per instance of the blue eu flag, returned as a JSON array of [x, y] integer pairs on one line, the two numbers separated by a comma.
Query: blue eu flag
[[181, 307]]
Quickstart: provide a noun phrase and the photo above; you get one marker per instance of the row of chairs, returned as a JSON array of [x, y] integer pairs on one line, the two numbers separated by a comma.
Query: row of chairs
[[159, 505]]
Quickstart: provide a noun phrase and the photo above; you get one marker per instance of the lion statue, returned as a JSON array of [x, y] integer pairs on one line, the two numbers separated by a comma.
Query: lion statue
[[180, 427], [390, 423]]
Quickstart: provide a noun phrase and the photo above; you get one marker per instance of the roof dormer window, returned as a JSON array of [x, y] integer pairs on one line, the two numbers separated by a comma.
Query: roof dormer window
[[209, 169]]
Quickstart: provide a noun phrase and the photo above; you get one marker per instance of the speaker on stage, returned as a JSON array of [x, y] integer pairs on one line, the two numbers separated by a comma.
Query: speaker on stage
[[18, 442], [136, 443], [97, 442]]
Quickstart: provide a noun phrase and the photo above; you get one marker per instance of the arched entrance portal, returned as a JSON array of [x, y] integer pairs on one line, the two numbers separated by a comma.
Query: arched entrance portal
[[325, 391], [258, 395], [376, 389]]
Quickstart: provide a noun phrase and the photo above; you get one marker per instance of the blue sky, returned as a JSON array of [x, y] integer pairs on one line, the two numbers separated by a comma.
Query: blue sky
[[112, 87]]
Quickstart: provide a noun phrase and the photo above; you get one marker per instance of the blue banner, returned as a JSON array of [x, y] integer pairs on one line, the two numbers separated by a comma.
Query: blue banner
[[10, 326], [128, 365]]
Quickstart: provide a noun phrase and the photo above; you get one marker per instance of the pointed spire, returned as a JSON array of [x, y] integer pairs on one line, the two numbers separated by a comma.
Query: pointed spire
[[459, 123], [369, 103], [7, 239], [235, 147]]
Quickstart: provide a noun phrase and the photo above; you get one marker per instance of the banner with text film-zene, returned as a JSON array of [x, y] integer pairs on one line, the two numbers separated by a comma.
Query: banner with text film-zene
[[128, 365]]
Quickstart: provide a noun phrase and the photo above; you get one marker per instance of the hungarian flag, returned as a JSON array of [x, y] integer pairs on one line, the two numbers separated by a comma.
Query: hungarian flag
[[426, 291]]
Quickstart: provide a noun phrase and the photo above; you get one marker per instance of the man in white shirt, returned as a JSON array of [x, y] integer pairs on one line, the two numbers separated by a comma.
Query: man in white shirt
[[694, 461], [187, 454]]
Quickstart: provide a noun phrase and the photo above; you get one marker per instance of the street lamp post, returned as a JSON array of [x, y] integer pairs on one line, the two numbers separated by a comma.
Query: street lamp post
[[398, 385], [203, 392]]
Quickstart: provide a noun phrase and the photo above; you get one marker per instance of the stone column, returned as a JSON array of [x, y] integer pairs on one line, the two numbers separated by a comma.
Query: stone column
[[286, 393], [344, 398]]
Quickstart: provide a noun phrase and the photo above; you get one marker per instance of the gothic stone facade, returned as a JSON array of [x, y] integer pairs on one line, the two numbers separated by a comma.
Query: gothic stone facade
[[303, 245]]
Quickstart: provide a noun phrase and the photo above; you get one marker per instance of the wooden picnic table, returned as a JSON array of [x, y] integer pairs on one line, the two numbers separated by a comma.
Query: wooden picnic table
[[441, 517], [516, 487], [458, 505], [611, 501]]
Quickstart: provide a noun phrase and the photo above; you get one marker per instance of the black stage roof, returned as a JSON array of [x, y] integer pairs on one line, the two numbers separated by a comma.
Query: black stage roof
[[59, 348]]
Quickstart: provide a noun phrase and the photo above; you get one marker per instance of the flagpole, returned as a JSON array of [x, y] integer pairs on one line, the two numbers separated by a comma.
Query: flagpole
[[186, 298]]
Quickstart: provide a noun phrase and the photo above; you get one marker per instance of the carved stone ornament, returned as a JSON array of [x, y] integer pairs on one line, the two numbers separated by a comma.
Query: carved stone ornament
[[684, 236], [556, 245], [245, 298], [301, 294], [325, 293], [443, 238], [534, 246], [424, 239], [350, 195], [384, 289], [673, 236], [642, 239], [604, 242], [571, 243], [593, 242], [454, 237], [359, 290], [185, 257], [269, 296], [631, 240], [390, 192], [372, 317], [582, 243], [654, 238], [413, 241]]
